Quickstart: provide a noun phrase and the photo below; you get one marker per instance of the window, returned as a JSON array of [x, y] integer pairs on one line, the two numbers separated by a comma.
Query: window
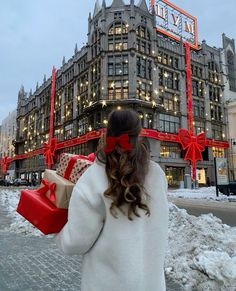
[[217, 132], [118, 89], [118, 65], [197, 88], [95, 43], [170, 150], [82, 126], [68, 111], [118, 37], [143, 40], [174, 175], [168, 60], [231, 70], [169, 123], [95, 71], [144, 90], [168, 79], [149, 120], [216, 112], [199, 126], [198, 108], [69, 131], [170, 102], [218, 152], [69, 92], [144, 68], [197, 71], [213, 73]]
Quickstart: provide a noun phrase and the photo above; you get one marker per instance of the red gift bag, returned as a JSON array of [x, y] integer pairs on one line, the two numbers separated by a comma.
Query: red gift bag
[[41, 212]]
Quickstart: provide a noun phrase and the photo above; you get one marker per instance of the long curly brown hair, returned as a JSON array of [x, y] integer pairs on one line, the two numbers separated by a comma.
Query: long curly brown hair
[[126, 170]]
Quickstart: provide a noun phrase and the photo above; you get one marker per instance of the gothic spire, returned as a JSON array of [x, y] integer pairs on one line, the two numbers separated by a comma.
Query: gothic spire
[[143, 5], [63, 61], [97, 8], [117, 3], [76, 49], [104, 4]]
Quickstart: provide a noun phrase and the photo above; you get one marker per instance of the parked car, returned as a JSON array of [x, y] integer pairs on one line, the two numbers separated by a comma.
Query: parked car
[[4, 182], [232, 187], [227, 190], [21, 182]]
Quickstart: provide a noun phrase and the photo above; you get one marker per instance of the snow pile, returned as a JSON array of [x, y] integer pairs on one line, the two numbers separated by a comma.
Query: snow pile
[[208, 193], [202, 251], [9, 198]]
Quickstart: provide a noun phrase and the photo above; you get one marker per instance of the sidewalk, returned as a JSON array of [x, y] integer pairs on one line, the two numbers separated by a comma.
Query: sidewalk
[[34, 263]]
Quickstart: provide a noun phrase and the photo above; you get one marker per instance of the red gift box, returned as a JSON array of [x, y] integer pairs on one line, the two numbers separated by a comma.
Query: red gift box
[[41, 212], [71, 167]]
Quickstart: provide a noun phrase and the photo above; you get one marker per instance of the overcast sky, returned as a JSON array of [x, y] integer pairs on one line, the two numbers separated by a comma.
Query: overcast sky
[[35, 35]]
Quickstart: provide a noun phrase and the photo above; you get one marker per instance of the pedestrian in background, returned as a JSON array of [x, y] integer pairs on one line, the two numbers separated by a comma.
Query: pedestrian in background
[[118, 214]]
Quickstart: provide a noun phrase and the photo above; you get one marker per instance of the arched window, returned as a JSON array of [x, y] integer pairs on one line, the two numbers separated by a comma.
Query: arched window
[[118, 37], [231, 70]]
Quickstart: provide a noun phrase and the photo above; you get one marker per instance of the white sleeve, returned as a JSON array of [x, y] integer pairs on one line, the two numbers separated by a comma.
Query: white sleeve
[[86, 215]]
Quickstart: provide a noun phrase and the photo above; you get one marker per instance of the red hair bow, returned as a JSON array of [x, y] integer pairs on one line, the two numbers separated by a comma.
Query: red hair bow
[[122, 140]]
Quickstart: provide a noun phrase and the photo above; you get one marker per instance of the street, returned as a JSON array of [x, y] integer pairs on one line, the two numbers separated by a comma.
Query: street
[[226, 211], [30, 263]]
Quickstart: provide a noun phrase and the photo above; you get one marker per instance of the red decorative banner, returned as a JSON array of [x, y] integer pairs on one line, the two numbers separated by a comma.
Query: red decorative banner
[[4, 163], [50, 146], [189, 96]]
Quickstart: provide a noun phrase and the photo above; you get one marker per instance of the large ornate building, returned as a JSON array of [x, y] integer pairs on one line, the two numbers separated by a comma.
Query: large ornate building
[[7, 138], [127, 63]]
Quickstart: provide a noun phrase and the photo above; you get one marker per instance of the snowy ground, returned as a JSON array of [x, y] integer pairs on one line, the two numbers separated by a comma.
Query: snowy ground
[[202, 250], [208, 193]]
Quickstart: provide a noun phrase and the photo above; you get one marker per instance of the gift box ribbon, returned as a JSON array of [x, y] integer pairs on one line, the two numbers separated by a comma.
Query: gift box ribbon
[[48, 187], [72, 161]]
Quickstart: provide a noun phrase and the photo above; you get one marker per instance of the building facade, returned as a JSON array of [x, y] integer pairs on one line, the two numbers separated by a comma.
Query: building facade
[[7, 141], [127, 63], [229, 68]]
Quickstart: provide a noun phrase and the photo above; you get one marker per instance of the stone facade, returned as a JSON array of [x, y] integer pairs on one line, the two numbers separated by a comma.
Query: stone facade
[[126, 63], [228, 60], [8, 135], [7, 142]]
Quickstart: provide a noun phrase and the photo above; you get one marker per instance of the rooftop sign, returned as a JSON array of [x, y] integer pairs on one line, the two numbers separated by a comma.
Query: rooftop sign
[[175, 22]]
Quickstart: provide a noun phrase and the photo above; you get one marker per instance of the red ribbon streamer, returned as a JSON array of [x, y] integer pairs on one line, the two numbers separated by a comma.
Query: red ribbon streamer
[[122, 140], [5, 162], [49, 151], [48, 187]]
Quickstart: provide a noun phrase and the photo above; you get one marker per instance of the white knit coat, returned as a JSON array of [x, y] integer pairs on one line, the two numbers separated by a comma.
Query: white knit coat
[[119, 254]]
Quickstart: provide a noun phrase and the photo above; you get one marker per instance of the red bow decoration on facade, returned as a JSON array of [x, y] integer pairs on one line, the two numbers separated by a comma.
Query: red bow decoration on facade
[[194, 144], [122, 140], [49, 151], [5, 162], [48, 187]]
